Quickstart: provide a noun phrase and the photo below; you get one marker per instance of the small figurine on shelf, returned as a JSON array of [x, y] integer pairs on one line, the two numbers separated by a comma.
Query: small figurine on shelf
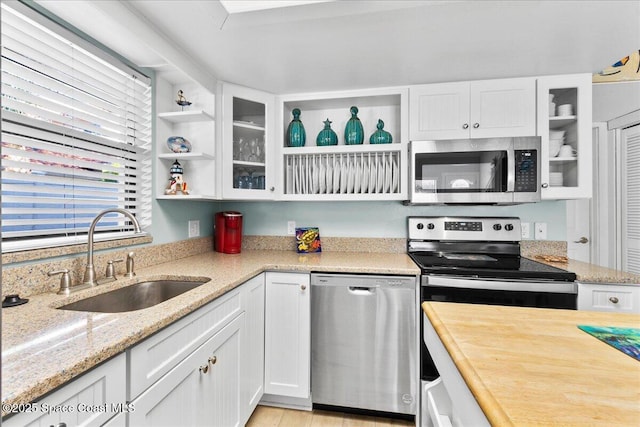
[[182, 101], [175, 182]]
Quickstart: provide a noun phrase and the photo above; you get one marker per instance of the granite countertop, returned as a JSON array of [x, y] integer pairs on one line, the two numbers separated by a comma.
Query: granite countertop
[[591, 273], [43, 348], [532, 366]]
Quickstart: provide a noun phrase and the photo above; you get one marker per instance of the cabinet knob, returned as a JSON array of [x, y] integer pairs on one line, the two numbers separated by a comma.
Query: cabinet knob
[[272, 189], [614, 300], [465, 126], [476, 125], [213, 360], [545, 185], [303, 287], [204, 369]]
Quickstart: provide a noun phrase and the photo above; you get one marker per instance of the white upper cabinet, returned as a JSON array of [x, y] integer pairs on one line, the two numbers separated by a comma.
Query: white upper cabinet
[[196, 124], [478, 109], [247, 143], [564, 118]]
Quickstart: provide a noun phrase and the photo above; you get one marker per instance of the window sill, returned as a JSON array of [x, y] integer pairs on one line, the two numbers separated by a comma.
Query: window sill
[[37, 254]]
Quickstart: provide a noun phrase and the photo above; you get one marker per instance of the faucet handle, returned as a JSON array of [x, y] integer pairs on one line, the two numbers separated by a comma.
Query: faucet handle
[[110, 273], [130, 265], [65, 281]]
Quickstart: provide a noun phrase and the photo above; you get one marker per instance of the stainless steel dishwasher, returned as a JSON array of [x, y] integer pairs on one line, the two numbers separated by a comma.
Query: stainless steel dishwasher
[[364, 342]]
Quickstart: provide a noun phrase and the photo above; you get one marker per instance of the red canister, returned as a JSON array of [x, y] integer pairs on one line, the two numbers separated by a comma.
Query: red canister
[[227, 232]]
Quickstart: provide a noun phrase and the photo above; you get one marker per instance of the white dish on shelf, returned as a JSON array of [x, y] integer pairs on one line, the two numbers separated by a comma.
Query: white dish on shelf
[[344, 172], [315, 180], [373, 173], [395, 179], [336, 176], [356, 175], [387, 175], [380, 178], [364, 174], [322, 176], [350, 177], [329, 175], [289, 184]]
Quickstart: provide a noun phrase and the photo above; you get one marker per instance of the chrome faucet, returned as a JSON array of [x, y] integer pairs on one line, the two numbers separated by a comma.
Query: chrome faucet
[[90, 272]]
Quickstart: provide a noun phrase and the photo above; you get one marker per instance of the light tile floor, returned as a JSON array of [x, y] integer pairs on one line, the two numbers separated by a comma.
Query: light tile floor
[[267, 416]]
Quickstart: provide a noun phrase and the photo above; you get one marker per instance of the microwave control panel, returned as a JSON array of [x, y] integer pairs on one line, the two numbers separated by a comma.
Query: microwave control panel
[[526, 171]]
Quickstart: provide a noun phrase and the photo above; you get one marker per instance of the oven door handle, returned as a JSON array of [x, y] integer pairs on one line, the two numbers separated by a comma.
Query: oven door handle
[[501, 285]]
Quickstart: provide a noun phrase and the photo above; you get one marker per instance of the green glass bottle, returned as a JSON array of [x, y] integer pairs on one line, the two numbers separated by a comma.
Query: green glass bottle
[[296, 135], [353, 132], [380, 136], [327, 136]]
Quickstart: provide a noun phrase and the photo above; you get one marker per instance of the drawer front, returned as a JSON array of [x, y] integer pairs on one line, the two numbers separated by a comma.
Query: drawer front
[[89, 400], [158, 354], [612, 298]]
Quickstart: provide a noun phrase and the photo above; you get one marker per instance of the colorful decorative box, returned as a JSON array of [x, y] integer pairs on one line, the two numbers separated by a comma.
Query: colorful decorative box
[[308, 240]]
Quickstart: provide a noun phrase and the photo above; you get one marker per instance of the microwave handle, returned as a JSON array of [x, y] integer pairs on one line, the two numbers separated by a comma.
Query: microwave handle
[[511, 171]]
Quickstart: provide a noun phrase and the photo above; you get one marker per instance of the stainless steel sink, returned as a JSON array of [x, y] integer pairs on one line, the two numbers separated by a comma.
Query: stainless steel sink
[[135, 297]]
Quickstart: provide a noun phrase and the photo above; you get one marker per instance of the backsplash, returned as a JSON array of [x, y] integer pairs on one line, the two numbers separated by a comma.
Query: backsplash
[[32, 279]]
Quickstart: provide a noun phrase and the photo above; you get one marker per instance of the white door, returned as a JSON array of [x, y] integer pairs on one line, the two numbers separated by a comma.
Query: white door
[[287, 334], [439, 111], [630, 198]]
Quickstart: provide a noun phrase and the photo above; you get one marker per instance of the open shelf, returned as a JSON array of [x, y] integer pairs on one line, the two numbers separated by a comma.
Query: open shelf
[[186, 116]]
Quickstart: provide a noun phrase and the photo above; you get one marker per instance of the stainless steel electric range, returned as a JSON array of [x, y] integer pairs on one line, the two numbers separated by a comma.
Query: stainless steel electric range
[[477, 260]]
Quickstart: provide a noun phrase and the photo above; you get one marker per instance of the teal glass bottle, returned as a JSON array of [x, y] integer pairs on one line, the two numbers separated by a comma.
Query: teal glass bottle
[[380, 136], [353, 132], [296, 135], [327, 136]]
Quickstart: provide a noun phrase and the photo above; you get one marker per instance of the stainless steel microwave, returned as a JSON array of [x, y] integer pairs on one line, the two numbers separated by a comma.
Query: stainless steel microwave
[[475, 171]]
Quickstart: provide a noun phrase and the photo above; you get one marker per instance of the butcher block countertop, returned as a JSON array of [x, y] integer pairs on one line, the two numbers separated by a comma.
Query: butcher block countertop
[[43, 347], [534, 367]]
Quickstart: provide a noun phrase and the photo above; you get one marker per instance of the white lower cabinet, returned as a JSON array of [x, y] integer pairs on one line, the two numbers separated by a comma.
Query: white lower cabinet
[[202, 390], [89, 400], [620, 298], [287, 334], [252, 351], [454, 403]]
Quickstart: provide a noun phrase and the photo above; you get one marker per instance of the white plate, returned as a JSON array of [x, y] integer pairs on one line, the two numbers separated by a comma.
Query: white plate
[[395, 178], [387, 175], [322, 172], [350, 177], [343, 176], [296, 180], [289, 176], [380, 178], [329, 175], [364, 174], [373, 173], [316, 176], [356, 175], [336, 176]]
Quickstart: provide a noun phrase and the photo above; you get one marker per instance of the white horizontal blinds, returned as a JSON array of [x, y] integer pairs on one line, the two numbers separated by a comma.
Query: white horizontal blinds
[[631, 202], [76, 136]]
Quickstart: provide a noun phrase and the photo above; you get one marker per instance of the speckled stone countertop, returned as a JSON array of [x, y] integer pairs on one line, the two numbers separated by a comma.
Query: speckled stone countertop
[[43, 348], [591, 273]]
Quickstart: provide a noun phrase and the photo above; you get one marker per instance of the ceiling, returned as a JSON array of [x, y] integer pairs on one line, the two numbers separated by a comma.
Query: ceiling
[[348, 44]]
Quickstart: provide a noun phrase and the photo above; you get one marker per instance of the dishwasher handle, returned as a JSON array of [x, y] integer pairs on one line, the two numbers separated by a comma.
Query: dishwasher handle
[[362, 290]]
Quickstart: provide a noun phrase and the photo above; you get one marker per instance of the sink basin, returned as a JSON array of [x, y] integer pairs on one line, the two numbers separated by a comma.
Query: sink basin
[[135, 297]]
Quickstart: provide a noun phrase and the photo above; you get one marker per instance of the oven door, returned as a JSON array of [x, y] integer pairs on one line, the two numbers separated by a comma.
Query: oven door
[[541, 294]]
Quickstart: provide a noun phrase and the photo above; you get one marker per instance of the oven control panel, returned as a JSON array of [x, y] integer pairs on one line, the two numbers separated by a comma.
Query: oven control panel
[[464, 228]]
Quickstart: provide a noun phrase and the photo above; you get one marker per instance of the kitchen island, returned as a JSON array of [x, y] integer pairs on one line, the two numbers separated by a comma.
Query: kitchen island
[[529, 366]]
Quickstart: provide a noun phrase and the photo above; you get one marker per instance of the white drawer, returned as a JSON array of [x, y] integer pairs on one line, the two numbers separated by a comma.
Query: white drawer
[[158, 354], [611, 298]]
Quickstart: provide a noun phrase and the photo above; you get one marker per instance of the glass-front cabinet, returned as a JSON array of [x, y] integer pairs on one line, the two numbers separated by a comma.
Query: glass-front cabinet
[[564, 126], [246, 143]]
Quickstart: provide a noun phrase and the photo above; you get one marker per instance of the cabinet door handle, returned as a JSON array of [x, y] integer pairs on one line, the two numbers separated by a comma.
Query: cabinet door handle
[[272, 189], [204, 369], [476, 125], [581, 240], [465, 126], [545, 185], [213, 360], [614, 300], [303, 287]]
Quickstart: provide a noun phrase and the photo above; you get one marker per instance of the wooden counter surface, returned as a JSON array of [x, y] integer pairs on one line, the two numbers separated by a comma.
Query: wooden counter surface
[[530, 366]]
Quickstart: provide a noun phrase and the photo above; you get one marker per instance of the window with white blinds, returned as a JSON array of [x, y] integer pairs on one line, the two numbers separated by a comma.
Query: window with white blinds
[[76, 136]]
